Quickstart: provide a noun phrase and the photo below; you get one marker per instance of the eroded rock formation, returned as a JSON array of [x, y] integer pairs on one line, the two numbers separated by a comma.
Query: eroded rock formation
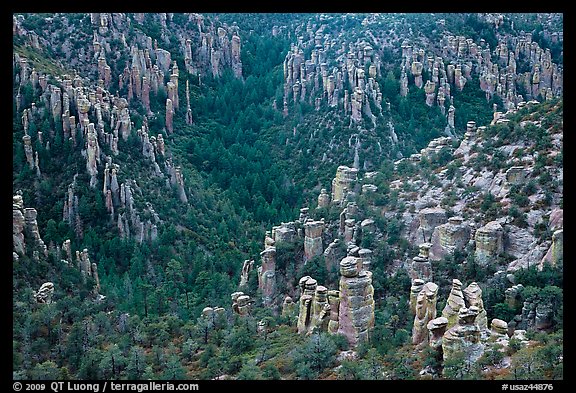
[[489, 243], [343, 183], [454, 303], [473, 297], [241, 303], [267, 275], [356, 310], [425, 311], [421, 267], [463, 337], [449, 237], [313, 239], [314, 311], [45, 293]]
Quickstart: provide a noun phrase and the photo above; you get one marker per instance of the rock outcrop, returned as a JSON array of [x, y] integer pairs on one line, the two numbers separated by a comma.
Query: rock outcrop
[[323, 199], [555, 253], [247, 267], [473, 297], [32, 232], [169, 116], [18, 224], [489, 243], [241, 303], [499, 332], [449, 237], [286, 232], [343, 183], [415, 289], [314, 311], [333, 255], [288, 307], [429, 218], [421, 267], [436, 329]]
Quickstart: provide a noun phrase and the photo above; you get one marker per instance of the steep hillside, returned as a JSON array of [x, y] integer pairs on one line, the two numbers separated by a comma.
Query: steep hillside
[[287, 196]]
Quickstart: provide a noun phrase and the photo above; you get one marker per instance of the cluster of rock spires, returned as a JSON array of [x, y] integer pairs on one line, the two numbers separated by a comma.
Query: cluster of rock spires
[[25, 233], [26, 241], [343, 73], [466, 58], [86, 111], [348, 310], [463, 325], [462, 328]]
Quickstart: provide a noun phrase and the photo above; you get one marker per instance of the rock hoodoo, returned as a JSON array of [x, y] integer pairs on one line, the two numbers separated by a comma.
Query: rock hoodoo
[[356, 311], [425, 312], [313, 239], [454, 303], [267, 275]]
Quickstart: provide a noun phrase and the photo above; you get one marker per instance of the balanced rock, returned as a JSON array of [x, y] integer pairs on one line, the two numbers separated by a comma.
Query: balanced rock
[[498, 329]]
